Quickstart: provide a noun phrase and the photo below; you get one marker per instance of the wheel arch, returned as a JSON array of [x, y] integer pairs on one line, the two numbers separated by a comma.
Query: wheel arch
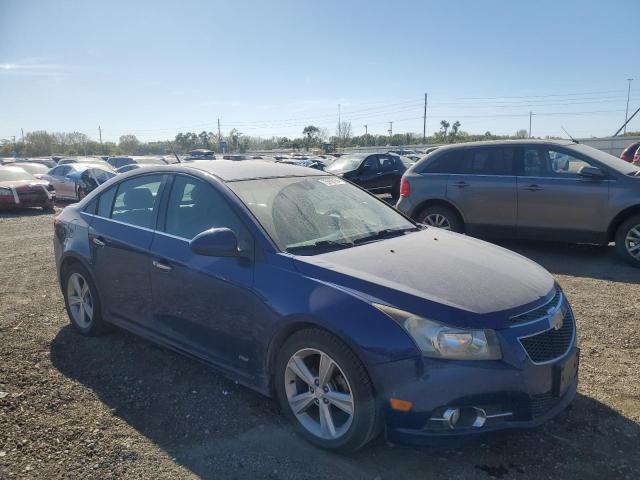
[[70, 260], [619, 219]]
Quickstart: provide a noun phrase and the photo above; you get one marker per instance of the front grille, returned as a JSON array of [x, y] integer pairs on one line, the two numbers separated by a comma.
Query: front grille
[[541, 404], [540, 311], [552, 343]]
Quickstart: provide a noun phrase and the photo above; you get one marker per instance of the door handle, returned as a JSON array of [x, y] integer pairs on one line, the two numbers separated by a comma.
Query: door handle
[[162, 266], [533, 188], [461, 184], [97, 242]]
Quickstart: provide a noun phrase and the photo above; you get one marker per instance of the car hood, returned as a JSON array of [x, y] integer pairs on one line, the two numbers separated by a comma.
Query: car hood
[[453, 277]]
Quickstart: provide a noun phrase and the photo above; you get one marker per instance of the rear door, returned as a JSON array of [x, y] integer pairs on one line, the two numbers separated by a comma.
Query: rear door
[[202, 304], [556, 203], [389, 170], [484, 190], [120, 237]]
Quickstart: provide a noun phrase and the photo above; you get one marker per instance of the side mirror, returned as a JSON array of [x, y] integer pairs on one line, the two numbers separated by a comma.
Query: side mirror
[[216, 242], [591, 172]]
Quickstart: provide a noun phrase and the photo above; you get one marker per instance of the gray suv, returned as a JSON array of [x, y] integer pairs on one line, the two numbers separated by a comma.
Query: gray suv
[[547, 190]]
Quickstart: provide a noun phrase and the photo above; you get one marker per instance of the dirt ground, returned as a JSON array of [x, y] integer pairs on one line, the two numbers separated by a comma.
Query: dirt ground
[[117, 406]]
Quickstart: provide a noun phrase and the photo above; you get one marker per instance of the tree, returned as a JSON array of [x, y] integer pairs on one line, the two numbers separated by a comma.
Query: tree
[[129, 144], [312, 134], [522, 133], [444, 127], [454, 131], [343, 133]]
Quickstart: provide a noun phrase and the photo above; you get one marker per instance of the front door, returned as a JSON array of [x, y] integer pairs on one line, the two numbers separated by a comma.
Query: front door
[[484, 190], [119, 237], [369, 174], [556, 203], [202, 304]]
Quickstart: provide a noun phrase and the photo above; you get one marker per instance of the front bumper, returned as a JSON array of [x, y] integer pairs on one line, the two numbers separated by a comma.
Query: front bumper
[[507, 398]]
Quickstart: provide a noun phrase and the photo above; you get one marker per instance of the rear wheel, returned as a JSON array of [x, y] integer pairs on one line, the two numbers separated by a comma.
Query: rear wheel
[[82, 301], [442, 217], [628, 240], [324, 389]]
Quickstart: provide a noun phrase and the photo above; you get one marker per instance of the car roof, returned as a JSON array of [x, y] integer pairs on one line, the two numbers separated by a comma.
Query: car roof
[[231, 171], [498, 143]]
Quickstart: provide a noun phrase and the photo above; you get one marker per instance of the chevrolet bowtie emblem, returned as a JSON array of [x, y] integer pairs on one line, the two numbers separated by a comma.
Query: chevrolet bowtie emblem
[[556, 318]]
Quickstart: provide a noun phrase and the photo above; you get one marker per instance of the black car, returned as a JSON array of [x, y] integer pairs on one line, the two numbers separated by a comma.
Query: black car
[[376, 172]]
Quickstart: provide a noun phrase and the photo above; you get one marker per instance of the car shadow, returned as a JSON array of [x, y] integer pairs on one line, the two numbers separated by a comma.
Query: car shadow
[[590, 261], [218, 429]]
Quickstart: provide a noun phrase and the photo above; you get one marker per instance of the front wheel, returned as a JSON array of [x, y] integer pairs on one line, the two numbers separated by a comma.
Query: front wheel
[[628, 241], [325, 390]]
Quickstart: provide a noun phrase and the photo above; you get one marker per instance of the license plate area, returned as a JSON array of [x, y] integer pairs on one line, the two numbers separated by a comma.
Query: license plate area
[[564, 374]]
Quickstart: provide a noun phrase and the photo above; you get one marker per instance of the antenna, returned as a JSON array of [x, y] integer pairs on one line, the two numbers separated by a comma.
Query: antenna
[[572, 139], [174, 152]]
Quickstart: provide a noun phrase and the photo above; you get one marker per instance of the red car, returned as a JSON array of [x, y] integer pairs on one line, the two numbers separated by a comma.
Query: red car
[[20, 189], [636, 157], [628, 153]]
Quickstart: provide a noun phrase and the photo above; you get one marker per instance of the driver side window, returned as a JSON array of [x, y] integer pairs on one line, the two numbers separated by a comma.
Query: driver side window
[[561, 164], [370, 165], [195, 206]]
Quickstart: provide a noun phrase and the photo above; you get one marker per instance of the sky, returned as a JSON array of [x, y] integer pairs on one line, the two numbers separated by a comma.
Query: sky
[[155, 68]]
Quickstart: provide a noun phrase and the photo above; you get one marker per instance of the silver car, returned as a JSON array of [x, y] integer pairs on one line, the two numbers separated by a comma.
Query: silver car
[[547, 190], [66, 178]]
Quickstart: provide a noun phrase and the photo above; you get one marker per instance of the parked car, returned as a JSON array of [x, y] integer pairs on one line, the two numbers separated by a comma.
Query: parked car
[[298, 284], [201, 154], [47, 162], [19, 189], [547, 190], [309, 162], [73, 180], [376, 172], [128, 168], [35, 169], [117, 162], [236, 157], [84, 160], [628, 153]]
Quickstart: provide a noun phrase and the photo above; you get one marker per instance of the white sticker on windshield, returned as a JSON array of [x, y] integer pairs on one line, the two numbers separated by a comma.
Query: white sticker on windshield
[[331, 181]]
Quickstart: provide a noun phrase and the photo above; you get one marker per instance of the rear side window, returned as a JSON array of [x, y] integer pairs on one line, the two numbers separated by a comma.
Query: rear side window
[[489, 161], [449, 162], [136, 200], [105, 202]]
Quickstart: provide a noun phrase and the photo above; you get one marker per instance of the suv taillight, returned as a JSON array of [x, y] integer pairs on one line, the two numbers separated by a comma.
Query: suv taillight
[[405, 188]]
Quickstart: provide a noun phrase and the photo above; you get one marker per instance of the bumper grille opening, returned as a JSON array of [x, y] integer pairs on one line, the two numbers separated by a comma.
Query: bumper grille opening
[[551, 344], [542, 404]]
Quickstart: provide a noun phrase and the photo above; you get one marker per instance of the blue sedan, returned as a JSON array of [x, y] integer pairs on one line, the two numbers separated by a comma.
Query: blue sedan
[[304, 287]]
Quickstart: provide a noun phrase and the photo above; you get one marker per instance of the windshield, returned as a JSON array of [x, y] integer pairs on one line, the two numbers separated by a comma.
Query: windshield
[[345, 164], [10, 174], [610, 161], [308, 215]]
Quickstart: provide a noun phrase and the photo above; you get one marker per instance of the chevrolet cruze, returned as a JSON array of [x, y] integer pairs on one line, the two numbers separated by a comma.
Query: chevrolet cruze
[[304, 287]]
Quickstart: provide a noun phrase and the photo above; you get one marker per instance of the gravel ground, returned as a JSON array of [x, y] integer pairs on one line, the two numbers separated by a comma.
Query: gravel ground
[[117, 406]]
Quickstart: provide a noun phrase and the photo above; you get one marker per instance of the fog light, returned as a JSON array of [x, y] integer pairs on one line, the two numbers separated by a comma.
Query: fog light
[[451, 416]]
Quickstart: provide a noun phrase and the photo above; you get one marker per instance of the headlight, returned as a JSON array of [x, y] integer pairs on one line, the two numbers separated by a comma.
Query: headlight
[[441, 341]]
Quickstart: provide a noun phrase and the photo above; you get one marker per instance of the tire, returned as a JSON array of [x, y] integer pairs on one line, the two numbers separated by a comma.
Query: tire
[[395, 191], [628, 240], [348, 380], [88, 325], [432, 216]]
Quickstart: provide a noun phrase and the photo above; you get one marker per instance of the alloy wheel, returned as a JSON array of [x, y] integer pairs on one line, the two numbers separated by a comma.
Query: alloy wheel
[[437, 220], [319, 394], [632, 242], [79, 299]]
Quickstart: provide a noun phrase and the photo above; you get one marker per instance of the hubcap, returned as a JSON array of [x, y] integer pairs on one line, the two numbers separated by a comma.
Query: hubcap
[[319, 394], [438, 220], [80, 301], [632, 242]]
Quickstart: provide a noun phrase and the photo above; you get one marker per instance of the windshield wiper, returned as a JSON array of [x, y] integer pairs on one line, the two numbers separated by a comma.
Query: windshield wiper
[[385, 233], [321, 244]]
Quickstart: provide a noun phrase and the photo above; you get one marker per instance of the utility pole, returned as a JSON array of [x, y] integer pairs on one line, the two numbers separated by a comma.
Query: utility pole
[[626, 113], [14, 144], [424, 121], [22, 130], [100, 133], [390, 131], [530, 115], [219, 137]]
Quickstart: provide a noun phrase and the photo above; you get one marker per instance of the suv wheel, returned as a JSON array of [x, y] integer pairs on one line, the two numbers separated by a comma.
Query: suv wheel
[[82, 301], [441, 217], [324, 389], [628, 240]]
